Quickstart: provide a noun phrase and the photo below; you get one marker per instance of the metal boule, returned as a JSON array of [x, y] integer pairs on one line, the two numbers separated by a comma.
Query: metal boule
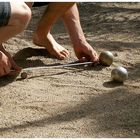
[[119, 74], [106, 58]]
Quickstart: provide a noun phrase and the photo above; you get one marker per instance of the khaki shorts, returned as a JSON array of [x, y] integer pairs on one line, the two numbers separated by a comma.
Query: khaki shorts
[[5, 13], [37, 4]]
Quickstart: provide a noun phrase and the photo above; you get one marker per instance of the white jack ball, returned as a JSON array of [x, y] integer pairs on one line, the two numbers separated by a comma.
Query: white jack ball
[[119, 74], [106, 58]]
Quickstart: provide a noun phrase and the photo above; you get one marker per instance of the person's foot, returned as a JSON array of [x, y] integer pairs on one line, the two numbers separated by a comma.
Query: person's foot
[[51, 45]]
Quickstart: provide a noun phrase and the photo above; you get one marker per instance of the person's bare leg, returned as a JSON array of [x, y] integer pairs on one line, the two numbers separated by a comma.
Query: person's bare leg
[[42, 35], [81, 47], [20, 16]]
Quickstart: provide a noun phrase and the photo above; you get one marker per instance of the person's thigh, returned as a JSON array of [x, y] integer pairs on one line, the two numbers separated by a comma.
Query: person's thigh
[[5, 13], [19, 11]]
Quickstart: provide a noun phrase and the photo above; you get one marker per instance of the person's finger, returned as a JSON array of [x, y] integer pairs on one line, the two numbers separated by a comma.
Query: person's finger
[[82, 59], [6, 67], [80, 56], [16, 70], [6, 70], [94, 57], [14, 66], [13, 72], [1, 72]]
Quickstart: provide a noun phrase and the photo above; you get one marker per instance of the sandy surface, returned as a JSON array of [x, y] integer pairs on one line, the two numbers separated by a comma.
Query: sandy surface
[[77, 101]]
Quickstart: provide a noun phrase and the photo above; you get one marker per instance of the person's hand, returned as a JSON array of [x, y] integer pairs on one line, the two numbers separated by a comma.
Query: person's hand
[[15, 69], [5, 64], [86, 53]]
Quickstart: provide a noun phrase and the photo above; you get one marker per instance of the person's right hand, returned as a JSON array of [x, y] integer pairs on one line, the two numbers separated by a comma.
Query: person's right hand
[[85, 52], [5, 64]]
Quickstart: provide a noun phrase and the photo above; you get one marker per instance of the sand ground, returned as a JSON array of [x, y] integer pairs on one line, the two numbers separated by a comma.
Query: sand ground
[[77, 101]]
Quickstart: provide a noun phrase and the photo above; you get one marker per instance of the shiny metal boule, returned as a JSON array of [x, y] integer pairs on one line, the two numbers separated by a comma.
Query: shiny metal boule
[[119, 74], [106, 58]]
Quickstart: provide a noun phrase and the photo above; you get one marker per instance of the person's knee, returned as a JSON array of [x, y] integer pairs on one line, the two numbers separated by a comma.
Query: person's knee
[[25, 15], [20, 15]]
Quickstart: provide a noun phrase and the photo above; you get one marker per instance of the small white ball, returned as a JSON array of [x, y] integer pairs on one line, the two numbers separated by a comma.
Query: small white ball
[[119, 74], [106, 58]]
